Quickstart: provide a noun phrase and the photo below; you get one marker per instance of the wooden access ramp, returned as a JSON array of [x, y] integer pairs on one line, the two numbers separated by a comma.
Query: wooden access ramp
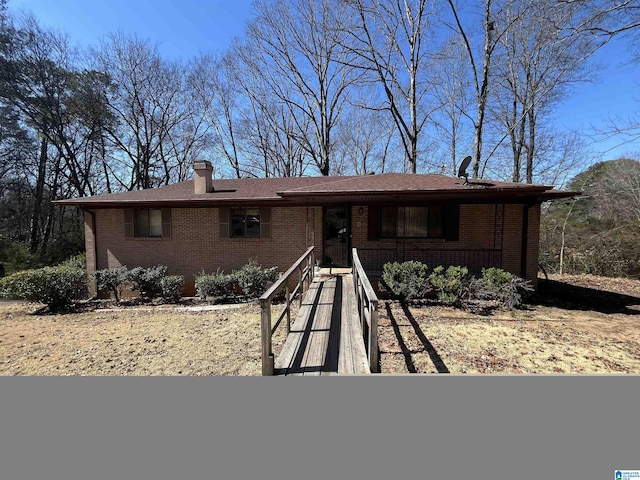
[[326, 337], [335, 329]]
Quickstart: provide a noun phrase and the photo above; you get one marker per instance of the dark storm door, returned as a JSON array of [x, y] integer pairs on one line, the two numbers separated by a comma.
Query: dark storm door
[[336, 237]]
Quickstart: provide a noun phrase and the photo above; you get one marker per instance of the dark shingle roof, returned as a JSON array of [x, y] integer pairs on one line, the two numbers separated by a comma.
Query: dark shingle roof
[[292, 189], [402, 182]]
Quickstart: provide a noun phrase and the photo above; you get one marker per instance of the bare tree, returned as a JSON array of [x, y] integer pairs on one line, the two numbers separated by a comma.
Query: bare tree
[[523, 61], [391, 40], [621, 18], [267, 138], [148, 107], [271, 132], [453, 94], [364, 144], [480, 62], [607, 18], [216, 92], [544, 50], [296, 50]]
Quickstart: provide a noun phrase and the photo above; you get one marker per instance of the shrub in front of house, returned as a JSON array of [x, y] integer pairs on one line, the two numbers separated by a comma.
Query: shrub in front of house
[[58, 287], [254, 280], [452, 284], [250, 281], [504, 287], [408, 280], [171, 287], [111, 280], [147, 280], [217, 286]]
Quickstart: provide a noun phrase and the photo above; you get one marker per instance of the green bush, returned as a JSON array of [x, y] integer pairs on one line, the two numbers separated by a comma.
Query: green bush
[[451, 284], [407, 280], [57, 287], [147, 280], [504, 287], [217, 285], [150, 281], [495, 278], [253, 279], [111, 280], [171, 286]]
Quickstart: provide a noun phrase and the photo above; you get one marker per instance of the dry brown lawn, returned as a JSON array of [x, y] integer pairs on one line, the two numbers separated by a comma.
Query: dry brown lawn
[[576, 325], [160, 340]]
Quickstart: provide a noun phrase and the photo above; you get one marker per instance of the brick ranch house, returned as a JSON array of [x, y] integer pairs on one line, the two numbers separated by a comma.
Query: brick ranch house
[[205, 224]]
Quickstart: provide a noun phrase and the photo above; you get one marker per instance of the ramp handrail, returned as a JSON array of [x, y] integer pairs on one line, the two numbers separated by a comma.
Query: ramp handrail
[[367, 302], [305, 266]]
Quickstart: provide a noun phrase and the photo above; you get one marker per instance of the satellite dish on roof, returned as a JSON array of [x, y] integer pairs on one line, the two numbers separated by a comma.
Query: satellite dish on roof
[[462, 171]]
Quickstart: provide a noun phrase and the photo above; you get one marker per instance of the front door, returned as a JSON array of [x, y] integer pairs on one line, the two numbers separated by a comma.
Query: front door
[[336, 236]]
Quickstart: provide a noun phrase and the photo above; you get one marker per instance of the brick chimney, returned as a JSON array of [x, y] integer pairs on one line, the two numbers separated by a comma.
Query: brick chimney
[[202, 178]]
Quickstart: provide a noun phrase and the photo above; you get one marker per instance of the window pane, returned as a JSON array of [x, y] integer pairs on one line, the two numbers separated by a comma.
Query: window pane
[[388, 224], [238, 219], [155, 222], [413, 222], [436, 222], [400, 222], [142, 223], [253, 223], [245, 222]]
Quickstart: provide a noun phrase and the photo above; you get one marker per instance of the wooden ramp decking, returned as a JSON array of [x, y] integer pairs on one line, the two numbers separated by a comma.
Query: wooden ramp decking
[[326, 336]]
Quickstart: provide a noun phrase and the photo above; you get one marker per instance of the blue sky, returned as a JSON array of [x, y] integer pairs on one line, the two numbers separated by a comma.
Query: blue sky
[[184, 28], [181, 28]]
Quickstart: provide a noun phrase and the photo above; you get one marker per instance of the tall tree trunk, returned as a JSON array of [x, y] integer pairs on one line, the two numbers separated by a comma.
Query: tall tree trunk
[[531, 146], [51, 209], [38, 197], [484, 89]]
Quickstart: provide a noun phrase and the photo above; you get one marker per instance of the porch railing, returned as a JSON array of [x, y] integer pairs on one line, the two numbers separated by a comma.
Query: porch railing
[[367, 302], [304, 266]]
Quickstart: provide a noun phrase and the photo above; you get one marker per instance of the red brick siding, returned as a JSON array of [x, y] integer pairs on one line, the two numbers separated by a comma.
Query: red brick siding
[[512, 246], [533, 246], [512, 238], [195, 244], [477, 232], [89, 241]]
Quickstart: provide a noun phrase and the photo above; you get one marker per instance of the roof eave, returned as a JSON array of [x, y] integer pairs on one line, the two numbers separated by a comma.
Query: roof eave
[[457, 192], [179, 202], [475, 195], [558, 194]]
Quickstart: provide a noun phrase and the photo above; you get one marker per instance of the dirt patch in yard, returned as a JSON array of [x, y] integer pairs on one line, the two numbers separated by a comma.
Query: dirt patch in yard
[[576, 325]]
